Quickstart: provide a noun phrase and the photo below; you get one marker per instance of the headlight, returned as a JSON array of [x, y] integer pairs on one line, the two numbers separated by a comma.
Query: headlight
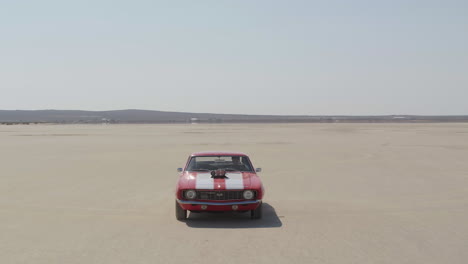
[[190, 194], [248, 194]]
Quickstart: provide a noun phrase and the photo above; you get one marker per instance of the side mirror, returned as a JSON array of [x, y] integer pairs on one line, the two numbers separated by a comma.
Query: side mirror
[[179, 169], [258, 170]]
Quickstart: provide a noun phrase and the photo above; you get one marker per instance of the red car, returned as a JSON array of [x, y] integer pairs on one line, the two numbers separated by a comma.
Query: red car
[[219, 181]]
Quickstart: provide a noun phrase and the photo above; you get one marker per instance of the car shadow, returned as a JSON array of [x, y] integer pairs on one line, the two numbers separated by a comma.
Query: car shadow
[[234, 220]]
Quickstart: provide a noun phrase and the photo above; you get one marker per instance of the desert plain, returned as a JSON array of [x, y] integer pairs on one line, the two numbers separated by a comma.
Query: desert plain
[[335, 193]]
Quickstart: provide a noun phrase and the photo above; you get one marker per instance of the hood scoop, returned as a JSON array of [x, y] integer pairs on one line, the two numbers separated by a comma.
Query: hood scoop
[[218, 174]]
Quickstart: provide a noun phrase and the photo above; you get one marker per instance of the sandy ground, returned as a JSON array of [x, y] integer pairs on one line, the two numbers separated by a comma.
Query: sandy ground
[[336, 193]]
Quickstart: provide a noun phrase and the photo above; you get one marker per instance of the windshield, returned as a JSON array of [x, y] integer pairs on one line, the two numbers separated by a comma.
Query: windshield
[[228, 163]]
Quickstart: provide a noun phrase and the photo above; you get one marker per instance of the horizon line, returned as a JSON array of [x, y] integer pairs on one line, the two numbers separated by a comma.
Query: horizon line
[[308, 115]]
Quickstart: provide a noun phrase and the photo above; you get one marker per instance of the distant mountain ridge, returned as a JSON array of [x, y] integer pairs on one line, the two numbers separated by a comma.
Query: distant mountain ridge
[[118, 116], [153, 116]]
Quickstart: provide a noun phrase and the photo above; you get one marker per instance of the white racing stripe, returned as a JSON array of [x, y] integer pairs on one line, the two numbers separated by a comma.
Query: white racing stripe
[[204, 181], [234, 181]]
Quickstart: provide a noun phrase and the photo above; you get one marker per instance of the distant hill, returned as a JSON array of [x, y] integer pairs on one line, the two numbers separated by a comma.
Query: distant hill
[[150, 116]]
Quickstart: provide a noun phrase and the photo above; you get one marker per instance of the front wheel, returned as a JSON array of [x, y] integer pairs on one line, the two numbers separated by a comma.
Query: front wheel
[[180, 213], [257, 212]]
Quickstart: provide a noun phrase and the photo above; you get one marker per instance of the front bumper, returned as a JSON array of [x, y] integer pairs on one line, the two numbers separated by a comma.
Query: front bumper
[[219, 206]]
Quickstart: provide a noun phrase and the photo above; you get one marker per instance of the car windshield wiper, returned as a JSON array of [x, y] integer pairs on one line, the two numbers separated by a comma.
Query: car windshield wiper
[[200, 170], [231, 169]]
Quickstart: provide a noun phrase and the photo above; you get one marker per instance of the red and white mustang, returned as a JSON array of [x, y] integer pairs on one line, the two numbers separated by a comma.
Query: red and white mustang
[[219, 181]]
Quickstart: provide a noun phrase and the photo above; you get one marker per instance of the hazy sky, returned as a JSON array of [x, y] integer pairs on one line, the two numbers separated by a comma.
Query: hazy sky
[[238, 56]]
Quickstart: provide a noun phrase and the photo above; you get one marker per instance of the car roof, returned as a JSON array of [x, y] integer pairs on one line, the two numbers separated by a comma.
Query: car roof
[[218, 153]]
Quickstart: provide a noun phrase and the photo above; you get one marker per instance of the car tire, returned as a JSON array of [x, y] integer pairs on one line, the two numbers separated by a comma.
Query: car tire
[[257, 212], [180, 213]]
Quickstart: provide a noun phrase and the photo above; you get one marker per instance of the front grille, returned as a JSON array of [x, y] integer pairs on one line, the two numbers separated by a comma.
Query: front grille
[[220, 195]]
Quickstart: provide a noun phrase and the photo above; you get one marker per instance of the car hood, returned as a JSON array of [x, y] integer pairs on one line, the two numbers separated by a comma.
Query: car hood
[[204, 181]]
